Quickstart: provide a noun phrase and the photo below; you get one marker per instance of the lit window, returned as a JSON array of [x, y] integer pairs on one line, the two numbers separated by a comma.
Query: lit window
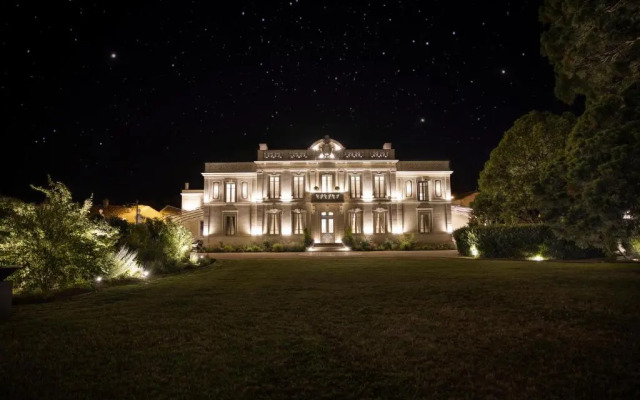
[[216, 190], [273, 223], [230, 192], [380, 221], [379, 189], [424, 221], [230, 226], [355, 220], [274, 187], [438, 188], [355, 186], [408, 190], [423, 194], [327, 183], [245, 190], [297, 221], [298, 187], [326, 223]]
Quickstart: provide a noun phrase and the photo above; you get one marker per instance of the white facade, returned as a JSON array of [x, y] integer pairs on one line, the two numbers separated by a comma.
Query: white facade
[[325, 189]]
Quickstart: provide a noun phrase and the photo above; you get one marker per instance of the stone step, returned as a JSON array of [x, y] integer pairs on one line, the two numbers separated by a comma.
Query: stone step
[[328, 247]]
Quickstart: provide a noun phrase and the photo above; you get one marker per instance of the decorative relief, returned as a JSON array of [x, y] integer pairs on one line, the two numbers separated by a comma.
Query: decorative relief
[[273, 154], [353, 154], [379, 154], [298, 154]]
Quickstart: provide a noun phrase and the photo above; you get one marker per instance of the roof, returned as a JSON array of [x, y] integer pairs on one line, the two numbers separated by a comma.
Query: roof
[[442, 165], [230, 167], [168, 211], [127, 213]]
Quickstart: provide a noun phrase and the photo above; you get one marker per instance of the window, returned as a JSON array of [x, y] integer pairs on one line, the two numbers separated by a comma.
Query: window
[[378, 186], [230, 226], [438, 188], [355, 186], [297, 221], [298, 187], [380, 221], [355, 220], [273, 222], [408, 189], [230, 192], [274, 187], [424, 221], [201, 228], [423, 194], [216, 190], [327, 183], [326, 223], [245, 190]]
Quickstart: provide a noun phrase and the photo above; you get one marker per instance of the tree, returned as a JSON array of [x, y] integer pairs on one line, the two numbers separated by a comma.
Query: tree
[[594, 46], [56, 241], [598, 200], [592, 191], [515, 167]]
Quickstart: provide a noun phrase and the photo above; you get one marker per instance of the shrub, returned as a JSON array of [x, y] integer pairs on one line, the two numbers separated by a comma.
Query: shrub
[[162, 246], [56, 241], [517, 241], [125, 264], [406, 242], [277, 247], [348, 239], [308, 240], [366, 245], [465, 239], [435, 246]]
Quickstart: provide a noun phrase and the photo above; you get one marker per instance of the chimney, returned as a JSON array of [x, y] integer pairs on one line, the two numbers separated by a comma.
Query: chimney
[[386, 146], [186, 186], [263, 146], [105, 203]]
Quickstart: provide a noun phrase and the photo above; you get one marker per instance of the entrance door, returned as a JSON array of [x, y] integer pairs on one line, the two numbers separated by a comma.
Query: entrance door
[[326, 227]]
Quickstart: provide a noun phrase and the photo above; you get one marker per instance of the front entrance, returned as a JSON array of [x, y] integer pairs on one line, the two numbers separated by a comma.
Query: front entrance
[[327, 234]]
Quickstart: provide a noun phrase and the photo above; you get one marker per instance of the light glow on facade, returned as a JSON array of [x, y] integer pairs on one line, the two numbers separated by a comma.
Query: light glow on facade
[[284, 192]]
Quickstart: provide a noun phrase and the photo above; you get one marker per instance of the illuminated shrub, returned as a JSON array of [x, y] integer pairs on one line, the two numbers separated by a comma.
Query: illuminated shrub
[[55, 241], [517, 241]]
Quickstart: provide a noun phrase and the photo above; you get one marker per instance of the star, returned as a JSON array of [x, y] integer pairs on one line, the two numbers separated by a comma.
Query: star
[[422, 120], [113, 55]]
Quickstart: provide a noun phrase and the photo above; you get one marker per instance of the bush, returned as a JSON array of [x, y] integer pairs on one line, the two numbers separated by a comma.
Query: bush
[[162, 246], [465, 240], [348, 239], [517, 241], [277, 247], [308, 240], [125, 264], [56, 241], [407, 242]]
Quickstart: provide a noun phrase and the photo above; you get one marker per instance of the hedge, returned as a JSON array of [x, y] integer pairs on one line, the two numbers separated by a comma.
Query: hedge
[[518, 241]]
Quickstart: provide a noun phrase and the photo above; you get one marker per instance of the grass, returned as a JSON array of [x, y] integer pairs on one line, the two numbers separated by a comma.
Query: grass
[[345, 328]]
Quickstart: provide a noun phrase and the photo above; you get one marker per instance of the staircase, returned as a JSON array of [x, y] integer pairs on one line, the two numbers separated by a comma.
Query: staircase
[[328, 247]]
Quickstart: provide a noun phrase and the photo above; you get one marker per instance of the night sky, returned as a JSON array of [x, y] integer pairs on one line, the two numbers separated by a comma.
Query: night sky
[[128, 101]]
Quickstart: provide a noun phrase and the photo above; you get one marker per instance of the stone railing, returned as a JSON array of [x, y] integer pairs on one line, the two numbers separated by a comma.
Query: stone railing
[[345, 154]]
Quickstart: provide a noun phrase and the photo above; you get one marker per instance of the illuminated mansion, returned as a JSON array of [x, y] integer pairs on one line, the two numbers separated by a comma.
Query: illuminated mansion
[[325, 189]]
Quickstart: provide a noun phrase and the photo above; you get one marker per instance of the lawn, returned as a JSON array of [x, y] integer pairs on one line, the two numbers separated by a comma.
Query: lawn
[[343, 328]]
